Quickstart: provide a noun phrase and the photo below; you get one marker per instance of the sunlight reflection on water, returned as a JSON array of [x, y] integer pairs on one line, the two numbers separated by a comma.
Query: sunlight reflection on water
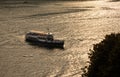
[[80, 24]]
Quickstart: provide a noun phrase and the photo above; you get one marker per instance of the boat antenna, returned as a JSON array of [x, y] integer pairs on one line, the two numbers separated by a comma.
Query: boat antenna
[[48, 30]]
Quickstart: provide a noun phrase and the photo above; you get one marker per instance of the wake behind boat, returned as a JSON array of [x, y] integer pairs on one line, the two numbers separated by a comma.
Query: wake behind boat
[[43, 39]]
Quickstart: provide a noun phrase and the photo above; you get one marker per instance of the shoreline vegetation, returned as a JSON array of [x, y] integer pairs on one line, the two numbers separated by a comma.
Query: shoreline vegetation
[[34, 1], [42, 1], [104, 58], [2, 1]]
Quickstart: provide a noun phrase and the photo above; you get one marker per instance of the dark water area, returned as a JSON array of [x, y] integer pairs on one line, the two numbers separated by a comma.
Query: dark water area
[[80, 24]]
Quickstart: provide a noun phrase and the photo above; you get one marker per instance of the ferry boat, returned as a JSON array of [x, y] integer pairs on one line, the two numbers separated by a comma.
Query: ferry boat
[[43, 39]]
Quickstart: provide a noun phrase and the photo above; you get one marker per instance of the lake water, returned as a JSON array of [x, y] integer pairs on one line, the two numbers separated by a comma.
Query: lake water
[[80, 24]]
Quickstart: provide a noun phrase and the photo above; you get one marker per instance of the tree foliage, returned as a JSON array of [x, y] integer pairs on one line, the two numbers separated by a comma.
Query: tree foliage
[[105, 58]]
